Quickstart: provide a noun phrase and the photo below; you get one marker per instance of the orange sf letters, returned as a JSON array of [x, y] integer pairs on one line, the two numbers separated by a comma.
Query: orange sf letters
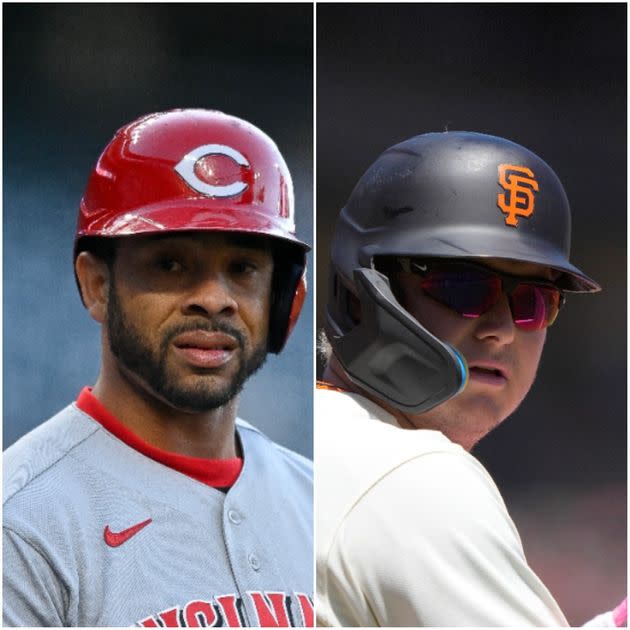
[[518, 199]]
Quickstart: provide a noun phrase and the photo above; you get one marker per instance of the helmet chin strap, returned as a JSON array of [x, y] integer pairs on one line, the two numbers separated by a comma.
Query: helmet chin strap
[[391, 355]]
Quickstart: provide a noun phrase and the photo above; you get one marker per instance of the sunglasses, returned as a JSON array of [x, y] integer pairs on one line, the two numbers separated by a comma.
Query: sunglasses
[[471, 290]]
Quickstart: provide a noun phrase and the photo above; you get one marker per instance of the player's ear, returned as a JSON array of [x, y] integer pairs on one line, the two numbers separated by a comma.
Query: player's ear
[[93, 275]]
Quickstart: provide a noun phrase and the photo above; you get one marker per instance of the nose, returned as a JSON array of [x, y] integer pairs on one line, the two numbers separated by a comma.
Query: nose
[[210, 295], [497, 324]]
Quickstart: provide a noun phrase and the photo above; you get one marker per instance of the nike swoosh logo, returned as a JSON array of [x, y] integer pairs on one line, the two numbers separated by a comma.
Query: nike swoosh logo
[[115, 539], [419, 266]]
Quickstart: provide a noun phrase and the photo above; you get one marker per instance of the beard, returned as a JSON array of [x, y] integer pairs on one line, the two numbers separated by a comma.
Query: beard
[[135, 353]]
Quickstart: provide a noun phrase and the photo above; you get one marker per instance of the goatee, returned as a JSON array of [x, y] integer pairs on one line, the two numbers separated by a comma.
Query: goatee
[[129, 347]]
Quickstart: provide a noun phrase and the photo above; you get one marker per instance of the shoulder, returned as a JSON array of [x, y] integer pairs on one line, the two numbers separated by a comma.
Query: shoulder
[[263, 447], [358, 441], [452, 550], [392, 477], [42, 449], [417, 517], [440, 509], [438, 489], [341, 417], [446, 483], [396, 479], [44, 485]]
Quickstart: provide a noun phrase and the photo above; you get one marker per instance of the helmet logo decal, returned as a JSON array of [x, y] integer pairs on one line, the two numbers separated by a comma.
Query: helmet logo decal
[[519, 185], [214, 170]]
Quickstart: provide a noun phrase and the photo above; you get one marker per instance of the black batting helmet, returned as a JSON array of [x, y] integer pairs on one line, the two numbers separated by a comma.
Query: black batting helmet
[[439, 195]]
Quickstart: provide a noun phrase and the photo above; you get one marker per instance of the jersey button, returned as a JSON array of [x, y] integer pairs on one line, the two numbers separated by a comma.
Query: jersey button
[[234, 517], [254, 562]]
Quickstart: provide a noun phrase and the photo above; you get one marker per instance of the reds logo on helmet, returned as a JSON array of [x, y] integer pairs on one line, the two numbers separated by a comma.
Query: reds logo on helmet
[[189, 169], [207, 167]]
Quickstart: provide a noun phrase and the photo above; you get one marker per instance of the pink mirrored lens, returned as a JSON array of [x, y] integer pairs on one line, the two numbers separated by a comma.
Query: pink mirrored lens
[[534, 307], [471, 293]]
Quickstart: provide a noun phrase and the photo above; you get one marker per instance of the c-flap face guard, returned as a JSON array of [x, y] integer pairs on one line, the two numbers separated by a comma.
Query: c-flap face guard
[[391, 355]]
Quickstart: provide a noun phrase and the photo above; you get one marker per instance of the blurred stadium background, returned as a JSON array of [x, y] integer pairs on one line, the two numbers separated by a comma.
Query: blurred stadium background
[[74, 74], [550, 76]]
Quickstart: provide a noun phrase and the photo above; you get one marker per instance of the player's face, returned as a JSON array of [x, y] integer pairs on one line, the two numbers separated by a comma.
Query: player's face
[[188, 315], [490, 342]]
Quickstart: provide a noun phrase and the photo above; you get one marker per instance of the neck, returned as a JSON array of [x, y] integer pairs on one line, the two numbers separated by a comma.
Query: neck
[[209, 434]]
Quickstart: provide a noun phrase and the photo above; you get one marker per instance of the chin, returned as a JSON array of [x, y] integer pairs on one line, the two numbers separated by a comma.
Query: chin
[[190, 395], [196, 401]]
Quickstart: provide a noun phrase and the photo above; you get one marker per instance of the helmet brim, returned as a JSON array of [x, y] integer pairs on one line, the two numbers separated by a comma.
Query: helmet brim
[[479, 243], [193, 215]]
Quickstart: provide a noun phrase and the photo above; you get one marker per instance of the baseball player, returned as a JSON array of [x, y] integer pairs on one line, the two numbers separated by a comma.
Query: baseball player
[[449, 263], [147, 501]]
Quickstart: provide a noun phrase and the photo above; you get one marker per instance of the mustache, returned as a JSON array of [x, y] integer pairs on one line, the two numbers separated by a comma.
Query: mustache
[[205, 326]]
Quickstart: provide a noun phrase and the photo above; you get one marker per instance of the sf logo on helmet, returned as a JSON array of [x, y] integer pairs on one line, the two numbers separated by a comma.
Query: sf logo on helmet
[[214, 170], [518, 199]]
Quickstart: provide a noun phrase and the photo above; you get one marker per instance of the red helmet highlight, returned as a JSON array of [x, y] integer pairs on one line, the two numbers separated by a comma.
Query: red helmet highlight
[[189, 169]]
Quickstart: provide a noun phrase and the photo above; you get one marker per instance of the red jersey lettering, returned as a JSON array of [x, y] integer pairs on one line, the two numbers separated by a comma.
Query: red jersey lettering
[[271, 609], [230, 606], [170, 617], [200, 614], [307, 610]]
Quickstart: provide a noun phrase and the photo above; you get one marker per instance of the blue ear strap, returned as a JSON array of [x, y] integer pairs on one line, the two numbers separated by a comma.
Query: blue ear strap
[[463, 367]]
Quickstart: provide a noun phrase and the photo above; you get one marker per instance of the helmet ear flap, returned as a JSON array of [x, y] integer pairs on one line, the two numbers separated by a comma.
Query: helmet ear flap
[[390, 354], [287, 297], [296, 304]]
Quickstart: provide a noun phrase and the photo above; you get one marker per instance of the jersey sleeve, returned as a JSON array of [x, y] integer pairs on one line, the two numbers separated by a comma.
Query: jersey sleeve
[[431, 544], [32, 594]]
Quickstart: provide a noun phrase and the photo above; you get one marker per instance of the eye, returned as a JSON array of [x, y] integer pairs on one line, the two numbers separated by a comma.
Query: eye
[[169, 264], [243, 266]]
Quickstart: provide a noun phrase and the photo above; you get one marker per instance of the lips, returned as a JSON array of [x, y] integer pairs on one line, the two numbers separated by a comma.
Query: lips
[[205, 349], [490, 372]]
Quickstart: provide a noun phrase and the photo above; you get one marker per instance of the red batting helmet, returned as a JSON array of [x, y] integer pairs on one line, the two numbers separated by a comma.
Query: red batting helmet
[[194, 169]]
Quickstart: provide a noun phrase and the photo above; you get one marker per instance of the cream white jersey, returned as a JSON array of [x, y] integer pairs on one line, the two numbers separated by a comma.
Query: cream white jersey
[[411, 529]]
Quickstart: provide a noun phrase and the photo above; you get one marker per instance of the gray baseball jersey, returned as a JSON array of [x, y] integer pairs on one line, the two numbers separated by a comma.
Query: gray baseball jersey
[[98, 534]]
